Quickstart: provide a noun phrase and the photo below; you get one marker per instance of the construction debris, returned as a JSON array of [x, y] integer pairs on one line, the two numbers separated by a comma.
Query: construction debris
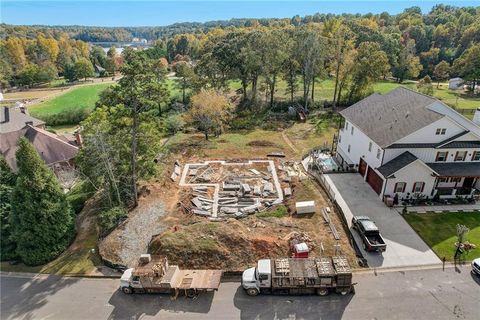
[[239, 189]]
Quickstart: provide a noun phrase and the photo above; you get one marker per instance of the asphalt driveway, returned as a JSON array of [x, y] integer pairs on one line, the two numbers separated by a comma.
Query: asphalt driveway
[[404, 246]]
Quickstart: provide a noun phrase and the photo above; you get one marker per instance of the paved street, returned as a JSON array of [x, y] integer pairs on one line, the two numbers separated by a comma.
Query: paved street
[[423, 294], [404, 246]]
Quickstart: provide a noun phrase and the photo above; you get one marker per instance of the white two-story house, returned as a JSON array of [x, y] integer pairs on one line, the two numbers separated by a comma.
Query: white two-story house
[[407, 143]]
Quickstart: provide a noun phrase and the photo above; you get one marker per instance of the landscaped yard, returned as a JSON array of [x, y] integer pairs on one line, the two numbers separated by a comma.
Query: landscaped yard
[[439, 231]]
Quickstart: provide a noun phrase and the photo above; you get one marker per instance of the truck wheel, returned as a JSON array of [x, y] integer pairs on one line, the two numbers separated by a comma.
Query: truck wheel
[[191, 293], [344, 292], [322, 292], [127, 290], [252, 292]]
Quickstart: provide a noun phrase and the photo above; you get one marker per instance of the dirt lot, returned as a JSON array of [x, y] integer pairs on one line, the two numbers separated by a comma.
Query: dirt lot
[[233, 244]]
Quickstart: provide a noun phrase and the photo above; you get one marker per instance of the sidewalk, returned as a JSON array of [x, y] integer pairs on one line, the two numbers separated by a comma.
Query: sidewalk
[[444, 208]]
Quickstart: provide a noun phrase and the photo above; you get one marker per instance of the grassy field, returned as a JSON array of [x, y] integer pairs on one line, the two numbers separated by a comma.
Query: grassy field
[[438, 230], [81, 97], [324, 91]]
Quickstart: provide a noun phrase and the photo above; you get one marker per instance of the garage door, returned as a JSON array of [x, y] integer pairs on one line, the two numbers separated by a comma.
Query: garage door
[[374, 180], [362, 167]]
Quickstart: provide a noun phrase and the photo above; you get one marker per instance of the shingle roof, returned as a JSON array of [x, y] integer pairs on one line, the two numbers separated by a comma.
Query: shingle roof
[[13, 120], [442, 144], [456, 169], [462, 144], [396, 164], [392, 116], [48, 145]]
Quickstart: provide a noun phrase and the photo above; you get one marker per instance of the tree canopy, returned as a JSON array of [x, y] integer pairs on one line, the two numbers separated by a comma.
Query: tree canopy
[[41, 220]]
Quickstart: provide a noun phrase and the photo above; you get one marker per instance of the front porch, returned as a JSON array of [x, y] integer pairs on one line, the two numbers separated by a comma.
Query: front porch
[[449, 187]]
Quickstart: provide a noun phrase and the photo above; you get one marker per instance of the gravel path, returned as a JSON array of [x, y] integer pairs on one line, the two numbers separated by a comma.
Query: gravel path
[[125, 244]]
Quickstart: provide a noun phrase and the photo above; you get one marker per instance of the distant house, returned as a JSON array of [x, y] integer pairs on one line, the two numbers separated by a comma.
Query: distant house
[[405, 143], [57, 151], [455, 83]]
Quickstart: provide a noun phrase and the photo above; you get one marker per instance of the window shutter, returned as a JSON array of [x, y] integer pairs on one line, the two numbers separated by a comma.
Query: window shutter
[[423, 186], [404, 186]]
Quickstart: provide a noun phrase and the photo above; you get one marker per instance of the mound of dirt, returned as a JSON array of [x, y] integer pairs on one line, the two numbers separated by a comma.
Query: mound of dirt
[[261, 143], [230, 245]]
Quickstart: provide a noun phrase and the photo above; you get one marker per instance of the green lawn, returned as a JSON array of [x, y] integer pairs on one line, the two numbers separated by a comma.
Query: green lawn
[[324, 91], [81, 97], [438, 230]]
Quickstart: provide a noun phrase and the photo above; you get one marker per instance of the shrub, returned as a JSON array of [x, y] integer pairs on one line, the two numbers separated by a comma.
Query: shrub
[[65, 117], [245, 121], [110, 218], [174, 123], [78, 195]]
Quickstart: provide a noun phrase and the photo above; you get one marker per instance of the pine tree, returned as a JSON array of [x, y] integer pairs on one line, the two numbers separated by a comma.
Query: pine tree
[[41, 221], [7, 182]]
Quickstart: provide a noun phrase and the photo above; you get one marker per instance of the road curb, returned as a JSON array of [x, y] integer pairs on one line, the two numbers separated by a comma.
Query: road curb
[[66, 275]]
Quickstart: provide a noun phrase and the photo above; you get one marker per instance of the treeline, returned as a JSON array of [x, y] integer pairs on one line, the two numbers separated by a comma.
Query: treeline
[[30, 61], [354, 51]]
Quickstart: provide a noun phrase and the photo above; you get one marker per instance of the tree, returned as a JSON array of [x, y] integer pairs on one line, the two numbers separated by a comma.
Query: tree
[[408, 65], [468, 65], [7, 183], [441, 71], [186, 75], [84, 69], [369, 65], [41, 220], [140, 92], [28, 75], [272, 56], [209, 111], [425, 85]]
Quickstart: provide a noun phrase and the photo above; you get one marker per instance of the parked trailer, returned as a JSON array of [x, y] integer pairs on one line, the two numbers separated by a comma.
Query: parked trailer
[[299, 276], [154, 275]]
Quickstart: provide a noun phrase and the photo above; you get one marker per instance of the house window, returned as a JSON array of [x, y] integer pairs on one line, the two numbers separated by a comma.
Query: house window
[[370, 146], [346, 125], [379, 152], [460, 155], [441, 131], [348, 148], [400, 187], [339, 138], [476, 156], [353, 129], [418, 187], [442, 179], [441, 156]]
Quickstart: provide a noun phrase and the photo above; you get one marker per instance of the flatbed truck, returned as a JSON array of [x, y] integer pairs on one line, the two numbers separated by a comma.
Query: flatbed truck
[[318, 275], [153, 274]]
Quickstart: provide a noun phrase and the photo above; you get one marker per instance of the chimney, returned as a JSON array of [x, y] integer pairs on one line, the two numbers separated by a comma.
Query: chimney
[[78, 138], [6, 117], [476, 117]]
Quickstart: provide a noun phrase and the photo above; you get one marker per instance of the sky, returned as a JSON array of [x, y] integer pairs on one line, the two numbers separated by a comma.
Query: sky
[[161, 13]]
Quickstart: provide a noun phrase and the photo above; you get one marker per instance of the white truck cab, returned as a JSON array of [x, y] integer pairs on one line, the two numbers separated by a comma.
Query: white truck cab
[[255, 280], [128, 281]]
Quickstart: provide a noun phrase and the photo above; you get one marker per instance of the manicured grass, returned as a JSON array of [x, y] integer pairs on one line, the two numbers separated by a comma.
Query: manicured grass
[[83, 97], [324, 91], [439, 231]]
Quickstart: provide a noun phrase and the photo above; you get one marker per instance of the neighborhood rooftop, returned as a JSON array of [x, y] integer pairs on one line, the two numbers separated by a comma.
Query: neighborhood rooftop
[[389, 117], [12, 120]]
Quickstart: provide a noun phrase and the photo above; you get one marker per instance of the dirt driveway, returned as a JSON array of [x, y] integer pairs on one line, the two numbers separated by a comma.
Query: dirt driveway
[[404, 246]]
